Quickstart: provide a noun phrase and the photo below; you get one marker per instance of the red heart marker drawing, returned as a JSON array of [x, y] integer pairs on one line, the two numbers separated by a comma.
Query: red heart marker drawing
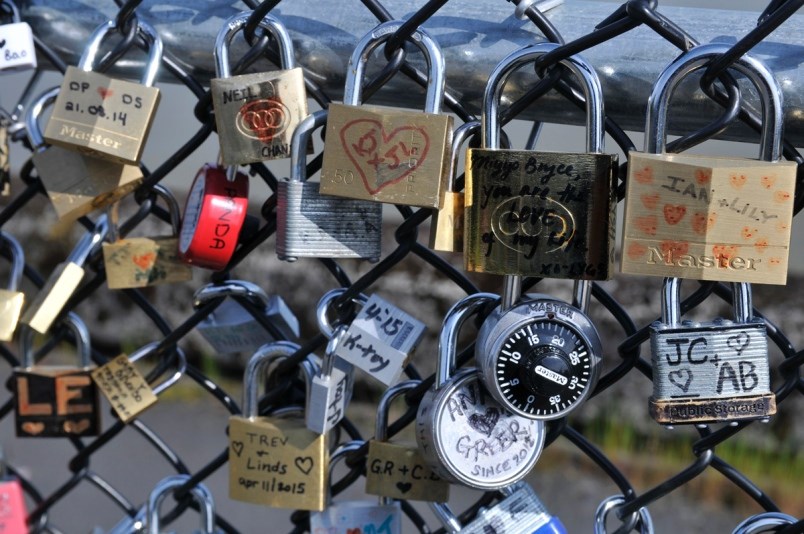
[[105, 92], [673, 214], [383, 159]]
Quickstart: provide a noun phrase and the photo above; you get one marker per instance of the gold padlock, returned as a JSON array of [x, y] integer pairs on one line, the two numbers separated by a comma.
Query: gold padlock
[[102, 116], [5, 165], [146, 261], [75, 183], [256, 113], [708, 218], [446, 224], [383, 154], [276, 461], [11, 300]]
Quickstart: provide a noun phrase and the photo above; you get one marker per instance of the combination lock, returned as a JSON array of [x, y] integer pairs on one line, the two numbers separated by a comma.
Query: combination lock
[[540, 358]]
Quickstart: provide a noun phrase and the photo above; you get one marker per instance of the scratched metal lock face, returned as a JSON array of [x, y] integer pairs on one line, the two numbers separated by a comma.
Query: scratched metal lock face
[[540, 214]]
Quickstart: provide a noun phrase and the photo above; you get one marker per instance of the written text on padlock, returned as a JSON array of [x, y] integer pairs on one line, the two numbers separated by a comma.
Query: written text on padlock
[[124, 387], [398, 471], [55, 402]]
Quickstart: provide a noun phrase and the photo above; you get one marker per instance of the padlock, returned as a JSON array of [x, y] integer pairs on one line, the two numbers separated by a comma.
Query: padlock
[[147, 261], [63, 281], [11, 299], [275, 461], [200, 493], [13, 512], [356, 516], [764, 522], [398, 470], [446, 224], [710, 218], [541, 358], [330, 390], [76, 184], [383, 154], [17, 49], [124, 386], [5, 150], [102, 116], [709, 372], [379, 340], [213, 217], [540, 213], [520, 512], [256, 113], [56, 401], [641, 517], [312, 225], [230, 328], [465, 435]]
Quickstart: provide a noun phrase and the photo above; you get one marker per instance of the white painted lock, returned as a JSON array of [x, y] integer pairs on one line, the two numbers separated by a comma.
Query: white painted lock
[[17, 51], [331, 389]]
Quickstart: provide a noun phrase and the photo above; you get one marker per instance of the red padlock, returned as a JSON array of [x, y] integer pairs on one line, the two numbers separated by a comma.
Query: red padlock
[[12, 507]]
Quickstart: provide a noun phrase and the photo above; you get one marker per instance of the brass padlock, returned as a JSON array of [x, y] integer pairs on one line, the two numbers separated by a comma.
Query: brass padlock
[[708, 218], [11, 299], [147, 261], [102, 116], [275, 461], [383, 154], [256, 113], [76, 184], [446, 224], [544, 214], [56, 401]]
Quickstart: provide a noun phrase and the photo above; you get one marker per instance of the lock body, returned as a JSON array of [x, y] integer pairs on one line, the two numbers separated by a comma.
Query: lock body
[[11, 303], [358, 516], [540, 213], [256, 114], [102, 116], [710, 373], [446, 226], [144, 261], [12, 507], [386, 155], [18, 51], [312, 225], [51, 298], [398, 471], [230, 328], [329, 396], [521, 512]]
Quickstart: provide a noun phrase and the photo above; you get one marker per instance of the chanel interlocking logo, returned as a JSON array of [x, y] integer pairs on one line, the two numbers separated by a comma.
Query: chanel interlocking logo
[[525, 224], [263, 119]]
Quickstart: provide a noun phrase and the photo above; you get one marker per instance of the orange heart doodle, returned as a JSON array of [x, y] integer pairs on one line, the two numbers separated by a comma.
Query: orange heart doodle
[[644, 176], [761, 244], [675, 248], [673, 214], [76, 427], [775, 261], [737, 180], [724, 253], [33, 428], [749, 232], [647, 224], [781, 196], [650, 201], [703, 176], [701, 223], [145, 261], [782, 227], [636, 251], [768, 181], [105, 92]]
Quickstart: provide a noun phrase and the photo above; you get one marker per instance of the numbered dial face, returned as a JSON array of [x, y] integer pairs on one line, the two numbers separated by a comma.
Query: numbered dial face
[[544, 368]]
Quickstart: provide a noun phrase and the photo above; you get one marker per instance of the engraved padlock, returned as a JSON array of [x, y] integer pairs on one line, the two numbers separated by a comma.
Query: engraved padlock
[[540, 213], [200, 493], [640, 518], [63, 281], [331, 389], [397, 470], [17, 51], [446, 225], [13, 512], [709, 372], [383, 154], [11, 299], [102, 116], [356, 516], [275, 461], [56, 401], [146, 261], [465, 435], [231, 328], [519, 512], [710, 218], [764, 522], [256, 113], [541, 357], [76, 184], [312, 225]]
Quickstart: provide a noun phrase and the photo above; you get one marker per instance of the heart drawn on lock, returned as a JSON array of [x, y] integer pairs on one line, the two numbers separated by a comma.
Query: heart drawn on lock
[[682, 378], [383, 158], [485, 423], [739, 342], [237, 447], [404, 487], [304, 464], [105, 92], [2, 43], [76, 427], [33, 428]]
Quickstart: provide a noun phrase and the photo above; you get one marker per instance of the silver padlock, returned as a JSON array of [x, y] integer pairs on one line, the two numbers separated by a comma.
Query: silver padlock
[[17, 50], [330, 390], [200, 493], [713, 371], [520, 512], [11, 298], [764, 522], [360, 516], [465, 435], [312, 225], [230, 328], [639, 518]]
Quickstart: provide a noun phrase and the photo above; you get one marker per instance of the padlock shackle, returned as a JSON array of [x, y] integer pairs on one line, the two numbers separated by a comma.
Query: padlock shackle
[[201, 494], [17, 260], [742, 304], [146, 351], [256, 367], [89, 241], [770, 95], [436, 79], [384, 406], [300, 141], [445, 516], [327, 328], [32, 114], [451, 327], [231, 288], [328, 361], [764, 522], [144, 29], [15, 11], [172, 205], [461, 135], [287, 59], [82, 341], [642, 516], [584, 73]]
